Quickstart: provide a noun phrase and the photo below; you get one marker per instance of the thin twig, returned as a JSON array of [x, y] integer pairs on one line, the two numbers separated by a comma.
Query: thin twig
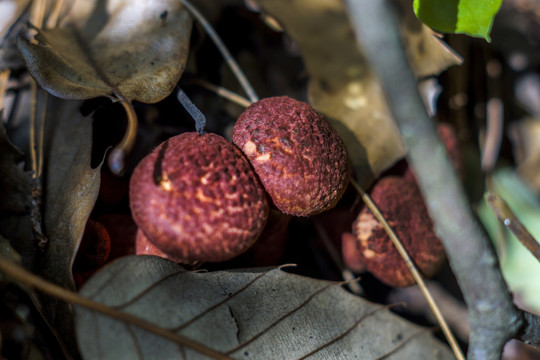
[[250, 92], [193, 110], [54, 16], [494, 132], [27, 278], [4, 77], [37, 13], [32, 129], [414, 271], [41, 133], [223, 92], [118, 154], [507, 217]]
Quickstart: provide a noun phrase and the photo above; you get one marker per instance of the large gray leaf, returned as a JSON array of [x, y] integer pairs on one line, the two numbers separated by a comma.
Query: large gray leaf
[[135, 48], [246, 314]]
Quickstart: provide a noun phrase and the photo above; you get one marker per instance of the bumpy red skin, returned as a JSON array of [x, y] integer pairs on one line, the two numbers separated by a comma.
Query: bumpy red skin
[[197, 198], [299, 158], [401, 204]]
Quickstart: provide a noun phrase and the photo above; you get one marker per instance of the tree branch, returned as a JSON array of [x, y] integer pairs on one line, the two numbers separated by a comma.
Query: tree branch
[[494, 319]]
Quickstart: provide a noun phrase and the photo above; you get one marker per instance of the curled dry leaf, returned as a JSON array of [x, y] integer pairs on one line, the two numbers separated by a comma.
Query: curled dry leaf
[[343, 87], [70, 191], [259, 313], [134, 48]]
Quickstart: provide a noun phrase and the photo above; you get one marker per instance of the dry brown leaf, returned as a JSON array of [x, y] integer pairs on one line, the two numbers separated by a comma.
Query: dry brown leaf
[[259, 313], [71, 188], [134, 48], [341, 84]]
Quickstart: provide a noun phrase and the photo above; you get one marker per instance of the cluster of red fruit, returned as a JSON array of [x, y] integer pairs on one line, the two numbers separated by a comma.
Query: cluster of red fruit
[[202, 198], [198, 197]]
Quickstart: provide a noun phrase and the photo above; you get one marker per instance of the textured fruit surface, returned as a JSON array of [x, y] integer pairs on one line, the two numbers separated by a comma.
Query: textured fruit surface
[[197, 198], [401, 204], [299, 158]]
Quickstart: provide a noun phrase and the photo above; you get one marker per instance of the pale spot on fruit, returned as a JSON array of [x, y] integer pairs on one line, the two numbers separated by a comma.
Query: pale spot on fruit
[[231, 196], [165, 183], [204, 179], [218, 212], [264, 157], [365, 225], [250, 148], [207, 229], [235, 209], [368, 253], [199, 195]]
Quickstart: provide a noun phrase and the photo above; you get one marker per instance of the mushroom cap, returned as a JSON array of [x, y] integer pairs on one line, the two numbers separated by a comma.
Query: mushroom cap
[[300, 159], [197, 198], [401, 203]]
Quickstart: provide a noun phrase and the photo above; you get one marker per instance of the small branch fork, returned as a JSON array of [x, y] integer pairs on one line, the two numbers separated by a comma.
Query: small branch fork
[[494, 318]]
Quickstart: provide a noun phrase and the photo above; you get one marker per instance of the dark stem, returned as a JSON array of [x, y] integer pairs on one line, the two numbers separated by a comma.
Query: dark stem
[[494, 318], [196, 114], [531, 330]]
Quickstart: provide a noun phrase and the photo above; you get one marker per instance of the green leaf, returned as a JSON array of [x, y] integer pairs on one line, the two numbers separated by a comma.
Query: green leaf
[[471, 17]]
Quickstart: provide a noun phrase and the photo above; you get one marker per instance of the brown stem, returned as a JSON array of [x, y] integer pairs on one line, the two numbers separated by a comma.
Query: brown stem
[[494, 318], [507, 217], [531, 330], [223, 92], [27, 278], [4, 77], [118, 154]]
